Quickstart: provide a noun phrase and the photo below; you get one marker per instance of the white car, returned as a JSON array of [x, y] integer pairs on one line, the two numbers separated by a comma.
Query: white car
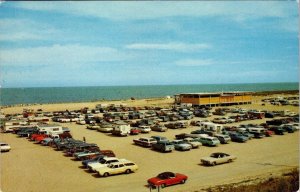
[[103, 163], [4, 147], [217, 158], [193, 142], [144, 129], [105, 129]]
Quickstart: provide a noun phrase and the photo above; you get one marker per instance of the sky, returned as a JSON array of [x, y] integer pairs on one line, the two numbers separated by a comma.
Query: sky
[[56, 44]]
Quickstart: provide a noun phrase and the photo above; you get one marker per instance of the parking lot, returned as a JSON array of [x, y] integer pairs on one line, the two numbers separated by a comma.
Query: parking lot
[[49, 170]]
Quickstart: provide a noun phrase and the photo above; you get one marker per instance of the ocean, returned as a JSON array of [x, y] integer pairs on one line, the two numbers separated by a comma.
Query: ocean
[[13, 96]]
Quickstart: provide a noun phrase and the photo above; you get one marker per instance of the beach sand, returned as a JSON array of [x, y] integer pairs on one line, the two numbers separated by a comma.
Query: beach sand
[[30, 167]]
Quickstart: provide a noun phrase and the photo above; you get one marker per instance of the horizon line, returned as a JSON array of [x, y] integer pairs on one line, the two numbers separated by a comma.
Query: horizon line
[[137, 85]]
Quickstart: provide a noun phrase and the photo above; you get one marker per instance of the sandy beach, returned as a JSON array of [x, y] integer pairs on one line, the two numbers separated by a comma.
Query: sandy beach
[[31, 167]]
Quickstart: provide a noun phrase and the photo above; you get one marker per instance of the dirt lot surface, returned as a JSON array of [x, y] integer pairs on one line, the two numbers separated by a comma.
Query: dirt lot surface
[[31, 167]]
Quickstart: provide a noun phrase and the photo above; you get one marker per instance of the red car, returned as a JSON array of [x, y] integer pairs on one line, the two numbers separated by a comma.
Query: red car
[[167, 178], [135, 131], [269, 133]]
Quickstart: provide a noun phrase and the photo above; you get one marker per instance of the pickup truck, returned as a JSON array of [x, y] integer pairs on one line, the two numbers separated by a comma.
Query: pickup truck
[[163, 146], [144, 141]]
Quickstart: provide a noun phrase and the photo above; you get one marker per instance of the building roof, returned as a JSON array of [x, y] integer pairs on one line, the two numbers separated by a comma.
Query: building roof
[[218, 93]]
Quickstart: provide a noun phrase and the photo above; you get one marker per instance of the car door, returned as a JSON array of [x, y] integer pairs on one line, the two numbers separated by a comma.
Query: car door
[[223, 158], [115, 170]]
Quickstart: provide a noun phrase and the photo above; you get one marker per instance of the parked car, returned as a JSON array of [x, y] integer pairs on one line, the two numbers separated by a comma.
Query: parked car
[[94, 167], [246, 134], [237, 137], [159, 128], [163, 146], [277, 130], [145, 141], [193, 142], [210, 141], [166, 179], [181, 145], [86, 155], [258, 135], [217, 158], [135, 131], [4, 147], [144, 129], [117, 168], [96, 159], [223, 138], [288, 128], [159, 138], [268, 133]]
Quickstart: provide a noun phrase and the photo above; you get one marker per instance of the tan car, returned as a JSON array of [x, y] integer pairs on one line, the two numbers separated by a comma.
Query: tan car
[[118, 168], [217, 158]]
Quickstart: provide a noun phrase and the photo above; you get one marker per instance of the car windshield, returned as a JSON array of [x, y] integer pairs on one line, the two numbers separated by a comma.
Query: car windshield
[[166, 175], [214, 155], [102, 161]]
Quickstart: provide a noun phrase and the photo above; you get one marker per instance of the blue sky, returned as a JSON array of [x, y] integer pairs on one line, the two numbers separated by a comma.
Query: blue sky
[[147, 43]]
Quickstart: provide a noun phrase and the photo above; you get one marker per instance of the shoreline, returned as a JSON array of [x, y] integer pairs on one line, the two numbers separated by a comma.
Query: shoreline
[[257, 93]]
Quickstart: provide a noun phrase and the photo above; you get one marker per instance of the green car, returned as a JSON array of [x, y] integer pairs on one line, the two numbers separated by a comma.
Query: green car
[[210, 141]]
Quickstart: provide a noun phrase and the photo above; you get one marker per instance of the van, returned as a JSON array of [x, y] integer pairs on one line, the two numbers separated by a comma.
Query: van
[[209, 126], [121, 128]]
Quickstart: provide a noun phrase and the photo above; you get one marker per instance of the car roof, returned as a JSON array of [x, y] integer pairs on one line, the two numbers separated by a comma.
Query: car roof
[[110, 158], [220, 153], [166, 174], [121, 162]]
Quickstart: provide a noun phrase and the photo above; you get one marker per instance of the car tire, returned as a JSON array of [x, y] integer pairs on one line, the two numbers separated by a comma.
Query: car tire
[[214, 163], [163, 185], [105, 174], [230, 160], [183, 181], [128, 171]]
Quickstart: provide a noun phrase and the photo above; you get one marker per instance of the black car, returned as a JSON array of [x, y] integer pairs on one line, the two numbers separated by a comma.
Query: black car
[[258, 135], [277, 130], [288, 128], [269, 115]]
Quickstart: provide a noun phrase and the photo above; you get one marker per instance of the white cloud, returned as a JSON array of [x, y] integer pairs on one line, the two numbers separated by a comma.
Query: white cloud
[[181, 47], [25, 29], [59, 55], [194, 62], [149, 10]]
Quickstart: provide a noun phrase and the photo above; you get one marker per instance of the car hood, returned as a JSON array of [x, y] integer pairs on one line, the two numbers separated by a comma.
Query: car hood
[[155, 181], [183, 145], [208, 159], [97, 165]]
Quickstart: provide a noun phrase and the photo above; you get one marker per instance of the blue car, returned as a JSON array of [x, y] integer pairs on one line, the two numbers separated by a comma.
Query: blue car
[[97, 159], [237, 137]]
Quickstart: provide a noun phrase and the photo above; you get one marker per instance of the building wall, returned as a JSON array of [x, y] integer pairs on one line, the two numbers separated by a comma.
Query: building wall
[[194, 101], [206, 99]]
